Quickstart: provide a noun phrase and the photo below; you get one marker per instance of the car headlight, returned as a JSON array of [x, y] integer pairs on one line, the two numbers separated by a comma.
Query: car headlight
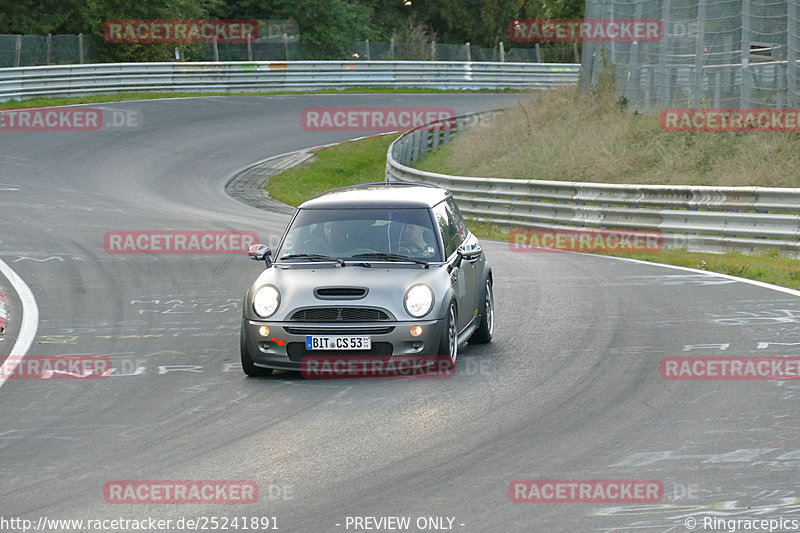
[[418, 300], [266, 301]]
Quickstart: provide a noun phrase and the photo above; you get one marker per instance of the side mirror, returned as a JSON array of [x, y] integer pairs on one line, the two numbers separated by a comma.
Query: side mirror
[[260, 252], [470, 252]]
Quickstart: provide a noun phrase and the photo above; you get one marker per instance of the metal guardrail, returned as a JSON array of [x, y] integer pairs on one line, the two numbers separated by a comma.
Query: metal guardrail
[[696, 217], [106, 78]]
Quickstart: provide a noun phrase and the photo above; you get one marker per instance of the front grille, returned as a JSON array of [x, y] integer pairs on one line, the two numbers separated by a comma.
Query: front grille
[[297, 350], [377, 330], [340, 314]]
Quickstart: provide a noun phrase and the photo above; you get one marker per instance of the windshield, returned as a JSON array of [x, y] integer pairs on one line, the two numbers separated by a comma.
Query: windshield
[[352, 233]]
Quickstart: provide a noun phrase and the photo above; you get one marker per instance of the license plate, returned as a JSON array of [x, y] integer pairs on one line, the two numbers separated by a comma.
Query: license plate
[[325, 342]]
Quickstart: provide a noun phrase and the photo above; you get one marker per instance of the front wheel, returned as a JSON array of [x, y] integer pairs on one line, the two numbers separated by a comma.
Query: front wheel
[[448, 346], [248, 366], [485, 330]]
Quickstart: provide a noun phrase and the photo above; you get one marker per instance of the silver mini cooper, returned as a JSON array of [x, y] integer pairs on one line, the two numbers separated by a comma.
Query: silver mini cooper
[[378, 269]]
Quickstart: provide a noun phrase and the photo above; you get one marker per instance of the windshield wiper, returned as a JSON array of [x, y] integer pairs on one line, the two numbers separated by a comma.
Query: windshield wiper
[[314, 257], [390, 257]]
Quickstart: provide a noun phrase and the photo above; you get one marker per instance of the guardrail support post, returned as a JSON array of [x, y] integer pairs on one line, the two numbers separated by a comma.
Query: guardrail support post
[[414, 146], [216, 49], [49, 49], [502, 52], [435, 141], [80, 48]]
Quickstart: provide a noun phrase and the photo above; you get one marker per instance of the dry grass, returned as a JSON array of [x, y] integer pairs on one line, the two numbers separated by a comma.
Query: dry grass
[[563, 135]]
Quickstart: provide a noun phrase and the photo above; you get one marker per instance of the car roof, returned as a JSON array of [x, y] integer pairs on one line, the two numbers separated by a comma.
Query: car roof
[[379, 194]]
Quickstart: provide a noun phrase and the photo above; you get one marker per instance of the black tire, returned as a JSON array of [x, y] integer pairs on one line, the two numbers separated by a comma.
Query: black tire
[[485, 330], [248, 365], [448, 346]]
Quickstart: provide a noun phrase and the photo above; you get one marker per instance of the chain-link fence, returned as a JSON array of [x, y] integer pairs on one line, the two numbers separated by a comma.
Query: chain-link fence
[[30, 50], [713, 53], [277, 48], [281, 48], [433, 51]]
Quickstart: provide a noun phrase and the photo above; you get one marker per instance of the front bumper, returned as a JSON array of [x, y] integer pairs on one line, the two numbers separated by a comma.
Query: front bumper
[[392, 339]]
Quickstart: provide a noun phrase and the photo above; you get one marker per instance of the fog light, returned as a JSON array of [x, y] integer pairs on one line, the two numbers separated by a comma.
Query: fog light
[[416, 331], [263, 331]]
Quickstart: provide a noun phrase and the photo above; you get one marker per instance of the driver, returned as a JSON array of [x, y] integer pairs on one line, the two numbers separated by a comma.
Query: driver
[[336, 238], [415, 235]]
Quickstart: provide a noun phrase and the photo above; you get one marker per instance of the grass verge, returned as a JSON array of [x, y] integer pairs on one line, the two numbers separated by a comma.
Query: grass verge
[[335, 166], [365, 160], [120, 97]]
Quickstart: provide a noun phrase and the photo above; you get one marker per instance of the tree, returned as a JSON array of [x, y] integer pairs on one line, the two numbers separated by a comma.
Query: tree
[[40, 17], [97, 12], [328, 28]]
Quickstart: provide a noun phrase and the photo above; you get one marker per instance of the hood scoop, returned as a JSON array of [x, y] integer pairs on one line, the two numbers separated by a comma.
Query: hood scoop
[[340, 293]]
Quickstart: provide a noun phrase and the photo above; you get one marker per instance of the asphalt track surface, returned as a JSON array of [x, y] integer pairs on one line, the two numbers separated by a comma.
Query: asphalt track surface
[[569, 389]]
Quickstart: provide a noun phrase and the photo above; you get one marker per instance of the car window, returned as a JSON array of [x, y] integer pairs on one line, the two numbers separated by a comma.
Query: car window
[[448, 224], [458, 220], [343, 233]]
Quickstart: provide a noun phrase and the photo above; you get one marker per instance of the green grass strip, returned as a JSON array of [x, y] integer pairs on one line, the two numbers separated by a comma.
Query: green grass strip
[[365, 160], [128, 96]]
